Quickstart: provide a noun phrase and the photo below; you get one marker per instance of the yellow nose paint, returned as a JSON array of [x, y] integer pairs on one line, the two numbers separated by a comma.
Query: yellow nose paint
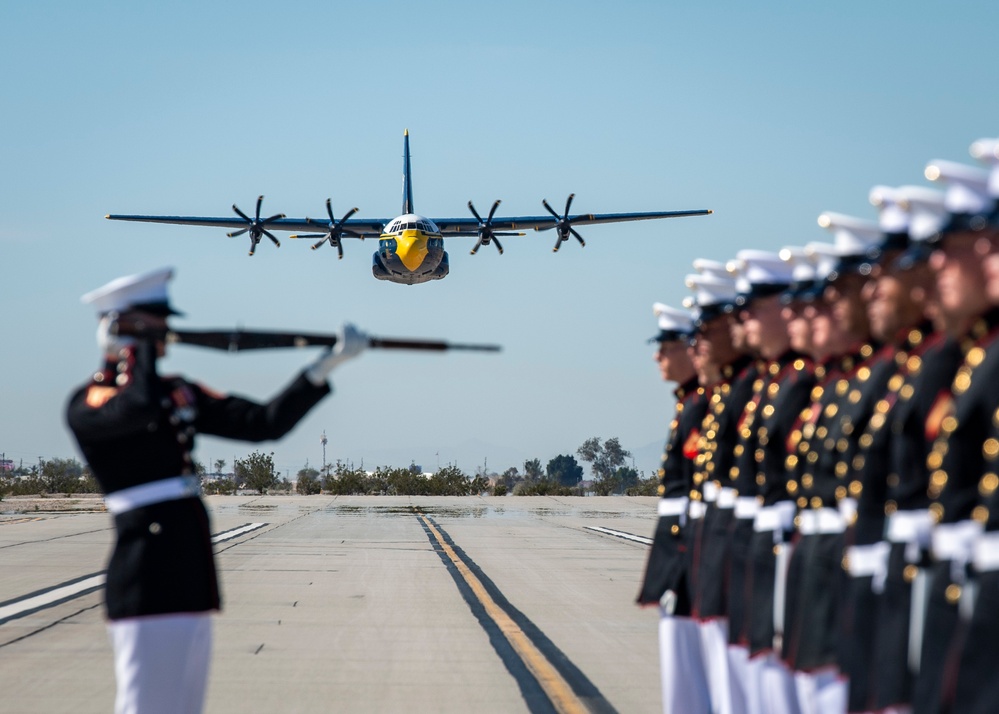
[[411, 247]]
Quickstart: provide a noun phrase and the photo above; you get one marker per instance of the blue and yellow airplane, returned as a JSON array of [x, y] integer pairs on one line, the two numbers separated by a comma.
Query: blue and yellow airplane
[[410, 246]]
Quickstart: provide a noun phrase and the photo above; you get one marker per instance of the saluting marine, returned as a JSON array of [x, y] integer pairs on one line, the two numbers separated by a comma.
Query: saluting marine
[[136, 430]]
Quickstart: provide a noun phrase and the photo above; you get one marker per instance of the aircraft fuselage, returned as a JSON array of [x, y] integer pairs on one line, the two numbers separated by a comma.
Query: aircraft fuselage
[[410, 251]]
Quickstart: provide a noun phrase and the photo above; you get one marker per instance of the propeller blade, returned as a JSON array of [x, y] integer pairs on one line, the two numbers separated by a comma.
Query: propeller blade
[[543, 203], [568, 202], [578, 237], [339, 251], [270, 235], [237, 233], [260, 200], [492, 211], [474, 212], [348, 214], [317, 244], [329, 210], [241, 214], [273, 218], [498, 246], [477, 245]]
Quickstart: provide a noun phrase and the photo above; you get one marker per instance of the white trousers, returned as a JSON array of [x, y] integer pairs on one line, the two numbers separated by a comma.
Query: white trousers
[[161, 663], [685, 688]]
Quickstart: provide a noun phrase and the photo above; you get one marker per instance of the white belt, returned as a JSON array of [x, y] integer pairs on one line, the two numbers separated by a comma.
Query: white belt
[[767, 519], [864, 560], [710, 490], [727, 498], [910, 527], [779, 516], [954, 541], [986, 552], [697, 509], [746, 507], [168, 489], [821, 521], [848, 509], [673, 506]]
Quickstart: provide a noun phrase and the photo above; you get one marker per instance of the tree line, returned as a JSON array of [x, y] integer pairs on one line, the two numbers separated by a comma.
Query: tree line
[[562, 476]]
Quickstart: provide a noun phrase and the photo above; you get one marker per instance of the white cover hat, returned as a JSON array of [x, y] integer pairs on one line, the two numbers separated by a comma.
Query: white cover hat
[[143, 290]]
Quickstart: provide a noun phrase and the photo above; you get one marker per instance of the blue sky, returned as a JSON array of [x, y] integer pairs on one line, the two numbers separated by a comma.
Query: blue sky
[[769, 114]]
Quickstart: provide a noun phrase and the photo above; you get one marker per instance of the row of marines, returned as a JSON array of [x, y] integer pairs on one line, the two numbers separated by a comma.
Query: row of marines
[[828, 533]]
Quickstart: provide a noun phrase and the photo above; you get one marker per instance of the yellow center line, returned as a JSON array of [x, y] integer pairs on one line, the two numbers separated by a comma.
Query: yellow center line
[[557, 689]]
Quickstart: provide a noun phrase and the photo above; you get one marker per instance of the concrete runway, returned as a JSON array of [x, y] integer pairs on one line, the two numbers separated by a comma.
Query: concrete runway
[[362, 604]]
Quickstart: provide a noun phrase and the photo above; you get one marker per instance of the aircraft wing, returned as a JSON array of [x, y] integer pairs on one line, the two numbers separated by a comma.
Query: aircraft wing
[[361, 228], [469, 226]]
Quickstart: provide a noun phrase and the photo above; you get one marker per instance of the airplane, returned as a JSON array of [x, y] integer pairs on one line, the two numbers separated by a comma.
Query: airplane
[[410, 246]]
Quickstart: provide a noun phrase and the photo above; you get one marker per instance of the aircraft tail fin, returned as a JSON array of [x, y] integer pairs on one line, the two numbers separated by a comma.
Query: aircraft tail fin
[[407, 186]]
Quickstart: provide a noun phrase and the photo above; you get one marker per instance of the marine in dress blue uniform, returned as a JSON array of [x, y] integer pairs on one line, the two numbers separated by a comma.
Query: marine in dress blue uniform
[[136, 430]]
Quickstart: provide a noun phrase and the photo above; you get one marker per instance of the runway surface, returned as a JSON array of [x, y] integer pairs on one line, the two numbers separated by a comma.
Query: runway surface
[[362, 604]]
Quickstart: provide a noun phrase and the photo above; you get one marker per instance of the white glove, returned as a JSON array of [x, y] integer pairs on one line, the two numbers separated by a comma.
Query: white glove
[[350, 343], [108, 343]]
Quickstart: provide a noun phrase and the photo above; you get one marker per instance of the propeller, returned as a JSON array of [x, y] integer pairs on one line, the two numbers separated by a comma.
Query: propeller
[[563, 224], [334, 229], [486, 233], [255, 226]]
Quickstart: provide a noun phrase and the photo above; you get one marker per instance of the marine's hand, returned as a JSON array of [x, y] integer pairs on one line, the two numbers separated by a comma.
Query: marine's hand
[[108, 339], [350, 343]]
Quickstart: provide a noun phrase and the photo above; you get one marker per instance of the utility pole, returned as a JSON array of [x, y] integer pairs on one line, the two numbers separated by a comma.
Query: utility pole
[[322, 441]]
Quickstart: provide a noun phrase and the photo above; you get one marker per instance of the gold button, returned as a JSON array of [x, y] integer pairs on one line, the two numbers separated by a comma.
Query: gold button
[[907, 391], [863, 374], [988, 484], [953, 593], [855, 396], [855, 488], [802, 503], [842, 469], [858, 462], [776, 551], [896, 382], [934, 460], [675, 530], [975, 356], [842, 386], [806, 481], [816, 502], [913, 363], [761, 480], [831, 410], [890, 507], [980, 514], [962, 381], [948, 425], [773, 390], [791, 462], [990, 449], [892, 480], [866, 440], [739, 448], [915, 337], [792, 487], [821, 432], [910, 572], [840, 493], [768, 411]]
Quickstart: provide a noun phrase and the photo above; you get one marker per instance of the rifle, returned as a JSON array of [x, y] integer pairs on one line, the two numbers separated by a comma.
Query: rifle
[[238, 340]]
